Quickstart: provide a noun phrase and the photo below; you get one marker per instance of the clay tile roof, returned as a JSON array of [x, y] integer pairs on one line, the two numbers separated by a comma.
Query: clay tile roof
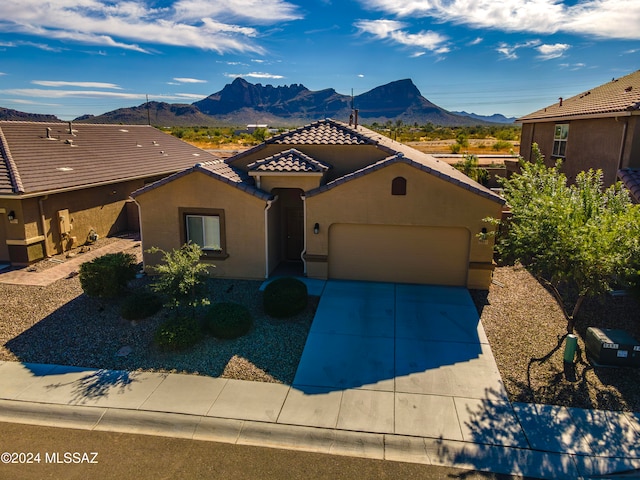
[[32, 163], [218, 169], [323, 132], [619, 95], [631, 179], [290, 160]]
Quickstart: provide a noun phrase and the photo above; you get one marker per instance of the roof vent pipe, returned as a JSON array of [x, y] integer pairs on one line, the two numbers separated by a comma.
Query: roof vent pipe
[[560, 101], [70, 128], [48, 132], [356, 119]]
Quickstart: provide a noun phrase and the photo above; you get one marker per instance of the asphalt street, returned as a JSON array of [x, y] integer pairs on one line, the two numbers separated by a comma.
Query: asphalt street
[[59, 453]]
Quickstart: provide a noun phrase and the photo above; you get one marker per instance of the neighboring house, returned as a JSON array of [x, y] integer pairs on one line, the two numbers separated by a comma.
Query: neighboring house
[[62, 182], [339, 201], [598, 129]]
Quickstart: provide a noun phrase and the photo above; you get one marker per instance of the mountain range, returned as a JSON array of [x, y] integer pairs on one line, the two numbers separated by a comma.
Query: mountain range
[[241, 103]]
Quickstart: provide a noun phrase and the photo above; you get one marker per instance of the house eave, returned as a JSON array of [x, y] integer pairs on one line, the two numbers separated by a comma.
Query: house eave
[[22, 196], [589, 116], [257, 173]]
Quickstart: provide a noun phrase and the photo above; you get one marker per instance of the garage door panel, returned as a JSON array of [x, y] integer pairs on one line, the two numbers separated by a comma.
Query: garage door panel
[[399, 253]]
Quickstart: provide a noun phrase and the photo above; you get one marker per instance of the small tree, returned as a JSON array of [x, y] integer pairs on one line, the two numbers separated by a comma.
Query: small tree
[[578, 239], [181, 277], [471, 168]]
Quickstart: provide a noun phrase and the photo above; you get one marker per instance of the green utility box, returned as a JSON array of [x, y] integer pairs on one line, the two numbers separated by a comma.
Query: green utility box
[[606, 346]]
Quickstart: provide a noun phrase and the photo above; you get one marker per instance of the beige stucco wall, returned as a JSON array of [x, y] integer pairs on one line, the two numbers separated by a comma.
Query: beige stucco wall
[[244, 215], [592, 143], [342, 158], [298, 180], [100, 208], [429, 201]]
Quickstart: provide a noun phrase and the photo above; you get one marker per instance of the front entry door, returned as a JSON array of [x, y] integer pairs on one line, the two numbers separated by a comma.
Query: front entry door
[[294, 230]]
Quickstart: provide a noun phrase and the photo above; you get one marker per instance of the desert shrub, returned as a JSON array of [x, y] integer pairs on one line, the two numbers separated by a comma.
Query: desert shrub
[[501, 145], [140, 304], [178, 333], [227, 320], [107, 276], [181, 278], [285, 297]]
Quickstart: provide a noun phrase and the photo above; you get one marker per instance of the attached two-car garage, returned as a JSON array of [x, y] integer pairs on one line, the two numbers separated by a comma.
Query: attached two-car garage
[[399, 253]]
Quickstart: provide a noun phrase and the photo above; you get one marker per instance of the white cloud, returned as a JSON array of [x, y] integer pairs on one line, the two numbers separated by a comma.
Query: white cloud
[[42, 93], [56, 83], [475, 41], [221, 26], [602, 18], [573, 66], [395, 31], [257, 11], [548, 52], [510, 51], [188, 80], [254, 75]]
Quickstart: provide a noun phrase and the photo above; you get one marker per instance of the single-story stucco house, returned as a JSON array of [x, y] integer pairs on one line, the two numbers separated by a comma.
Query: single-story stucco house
[[61, 182], [341, 201], [598, 129]]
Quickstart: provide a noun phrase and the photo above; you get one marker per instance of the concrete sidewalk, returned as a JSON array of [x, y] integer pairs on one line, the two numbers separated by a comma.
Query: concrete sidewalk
[[552, 442]]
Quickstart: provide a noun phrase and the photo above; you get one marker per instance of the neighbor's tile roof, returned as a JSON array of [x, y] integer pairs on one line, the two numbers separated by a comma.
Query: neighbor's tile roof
[[290, 160], [31, 163], [322, 132], [631, 179], [619, 95], [218, 169]]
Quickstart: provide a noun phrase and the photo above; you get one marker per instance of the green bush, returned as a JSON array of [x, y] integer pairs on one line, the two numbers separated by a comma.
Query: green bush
[[107, 276], [228, 320], [141, 304], [285, 297], [178, 333], [502, 145]]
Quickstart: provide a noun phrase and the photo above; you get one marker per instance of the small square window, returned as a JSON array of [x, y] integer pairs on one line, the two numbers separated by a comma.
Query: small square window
[[204, 227], [204, 230]]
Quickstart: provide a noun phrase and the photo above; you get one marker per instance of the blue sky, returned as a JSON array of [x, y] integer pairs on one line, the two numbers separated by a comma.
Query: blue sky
[[71, 57]]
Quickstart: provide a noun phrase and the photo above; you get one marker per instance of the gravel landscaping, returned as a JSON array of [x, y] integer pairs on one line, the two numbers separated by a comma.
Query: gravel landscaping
[[526, 329], [59, 324], [524, 325]]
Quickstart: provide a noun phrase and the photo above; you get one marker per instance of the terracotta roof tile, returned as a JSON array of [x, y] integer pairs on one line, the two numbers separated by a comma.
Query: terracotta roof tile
[[631, 179], [91, 154], [290, 160], [323, 132], [619, 95]]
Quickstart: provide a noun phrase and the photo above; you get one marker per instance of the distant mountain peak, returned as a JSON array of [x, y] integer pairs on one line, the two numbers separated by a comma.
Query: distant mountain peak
[[241, 102]]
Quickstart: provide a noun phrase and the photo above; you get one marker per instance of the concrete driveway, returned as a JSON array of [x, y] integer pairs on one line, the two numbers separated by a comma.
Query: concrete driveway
[[396, 358], [396, 337]]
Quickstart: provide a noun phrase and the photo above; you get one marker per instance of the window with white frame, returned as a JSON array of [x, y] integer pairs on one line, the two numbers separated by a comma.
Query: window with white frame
[[560, 140], [204, 230]]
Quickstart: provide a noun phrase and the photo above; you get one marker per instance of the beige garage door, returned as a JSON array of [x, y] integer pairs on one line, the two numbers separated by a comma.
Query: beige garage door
[[404, 254]]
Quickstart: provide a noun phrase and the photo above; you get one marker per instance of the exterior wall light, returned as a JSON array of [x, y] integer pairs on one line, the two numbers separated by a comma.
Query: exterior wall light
[[483, 237], [316, 228], [11, 215]]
